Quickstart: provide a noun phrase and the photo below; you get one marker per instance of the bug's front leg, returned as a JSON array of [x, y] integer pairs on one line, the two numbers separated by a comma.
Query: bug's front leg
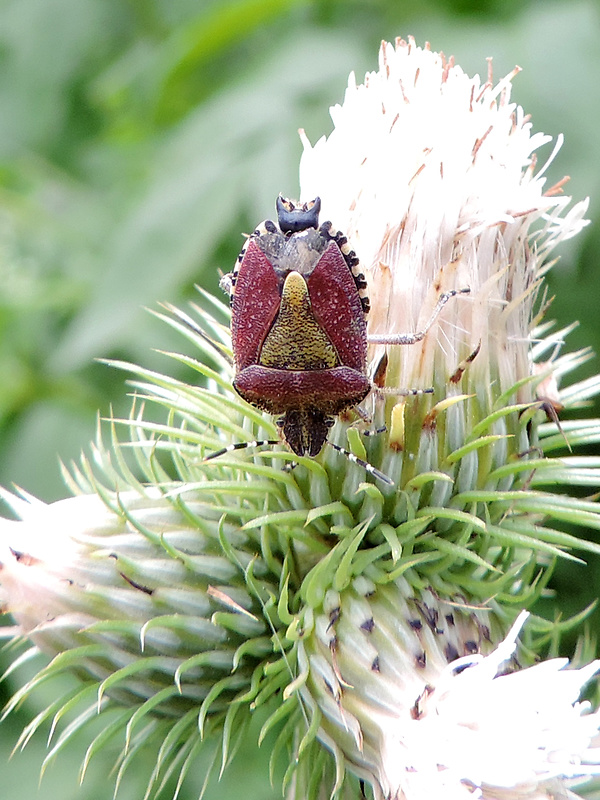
[[413, 338], [227, 283]]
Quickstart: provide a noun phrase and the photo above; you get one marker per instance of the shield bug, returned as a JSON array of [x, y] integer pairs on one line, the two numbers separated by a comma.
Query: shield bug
[[299, 306]]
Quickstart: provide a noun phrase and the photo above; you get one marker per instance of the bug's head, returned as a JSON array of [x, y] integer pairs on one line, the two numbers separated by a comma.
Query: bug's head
[[305, 431], [293, 217]]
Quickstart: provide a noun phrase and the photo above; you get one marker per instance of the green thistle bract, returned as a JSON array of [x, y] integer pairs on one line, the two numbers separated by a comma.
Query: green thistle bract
[[363, 617]]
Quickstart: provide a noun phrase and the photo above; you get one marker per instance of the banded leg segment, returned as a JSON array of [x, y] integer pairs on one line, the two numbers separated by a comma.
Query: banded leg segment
[[413, 338]]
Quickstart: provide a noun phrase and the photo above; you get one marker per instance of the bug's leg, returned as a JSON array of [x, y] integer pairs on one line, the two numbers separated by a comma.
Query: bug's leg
[[366, 419], [227, 282], [375, 431], [413, 338], [240, 446], [403, 392]]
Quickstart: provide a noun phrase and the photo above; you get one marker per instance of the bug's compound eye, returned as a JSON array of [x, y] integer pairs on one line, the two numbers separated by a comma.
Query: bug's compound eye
[[293, 217], [280, 422], [329, 422]]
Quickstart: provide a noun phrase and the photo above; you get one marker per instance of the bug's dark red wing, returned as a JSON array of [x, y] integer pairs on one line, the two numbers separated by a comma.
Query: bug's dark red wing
[[256, 302], [278, 390], [337, 308]]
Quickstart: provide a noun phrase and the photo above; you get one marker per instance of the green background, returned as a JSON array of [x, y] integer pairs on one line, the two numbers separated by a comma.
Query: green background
[[139, 138]]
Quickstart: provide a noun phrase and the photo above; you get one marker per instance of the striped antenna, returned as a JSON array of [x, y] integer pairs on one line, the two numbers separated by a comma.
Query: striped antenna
[[364, 464], [240, 446], [260, 443]]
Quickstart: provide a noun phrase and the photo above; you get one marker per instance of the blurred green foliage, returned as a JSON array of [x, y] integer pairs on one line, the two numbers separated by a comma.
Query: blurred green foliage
[[139, 138]]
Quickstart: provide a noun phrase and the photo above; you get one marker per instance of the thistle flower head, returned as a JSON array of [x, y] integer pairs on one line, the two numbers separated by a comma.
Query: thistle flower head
[[367, 618], [434, 177]]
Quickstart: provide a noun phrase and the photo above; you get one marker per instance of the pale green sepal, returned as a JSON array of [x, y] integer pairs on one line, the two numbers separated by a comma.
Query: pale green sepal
[[356, 444], [101, 740], [477, 444], [330, 510], [282, 712], [220, 659], [459, 553], [391, 536], [427, 477], [453, 515], [70, 732], [284, 744], [56, 710], [21, 660], [515, 467], [184, 729], [580, 392], [232, 737], [511, 538], [344, 572], [227, 684], [238, 623], [296, 516], [407, 564], [147, 708], [193, 746], [576, 433], [62, 662]]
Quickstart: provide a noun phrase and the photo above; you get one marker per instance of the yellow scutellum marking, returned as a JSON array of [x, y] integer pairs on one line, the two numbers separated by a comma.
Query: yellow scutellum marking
[[296, 341]]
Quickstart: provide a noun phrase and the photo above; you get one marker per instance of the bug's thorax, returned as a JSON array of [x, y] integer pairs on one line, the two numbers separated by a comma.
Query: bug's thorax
[[297, 252]]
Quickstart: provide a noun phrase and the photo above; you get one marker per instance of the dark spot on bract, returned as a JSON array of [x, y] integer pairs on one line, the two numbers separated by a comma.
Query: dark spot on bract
[[451, 653], [24, 558], [461, 668], [135, 585], [334, 616]]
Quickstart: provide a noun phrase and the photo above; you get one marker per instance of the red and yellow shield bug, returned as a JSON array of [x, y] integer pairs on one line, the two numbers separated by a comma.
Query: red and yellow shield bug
[[298, 326]]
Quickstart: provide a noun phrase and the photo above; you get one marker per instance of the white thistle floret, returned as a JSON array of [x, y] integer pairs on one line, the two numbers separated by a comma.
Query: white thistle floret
[[432, 176], [482, 733]]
